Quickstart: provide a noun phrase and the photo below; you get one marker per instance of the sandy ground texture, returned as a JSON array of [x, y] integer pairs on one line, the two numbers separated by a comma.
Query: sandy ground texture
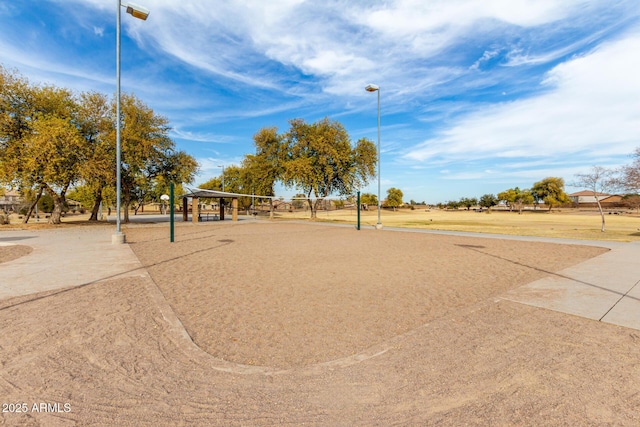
[[290, 324], [11, 252]]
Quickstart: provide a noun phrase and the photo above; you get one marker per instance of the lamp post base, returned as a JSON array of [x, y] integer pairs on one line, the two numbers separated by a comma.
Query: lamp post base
[[378, 226], [118, 238]]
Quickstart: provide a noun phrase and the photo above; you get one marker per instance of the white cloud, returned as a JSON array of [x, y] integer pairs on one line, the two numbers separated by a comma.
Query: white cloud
[[486, 56], [201, 137], [442, 20], [590, 103], [340, 42]]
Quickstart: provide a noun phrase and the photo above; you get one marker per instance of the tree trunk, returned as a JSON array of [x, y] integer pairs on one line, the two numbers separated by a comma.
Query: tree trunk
[[58, 205], [312, 207], [125, 202], [601, 213], [271, 208], [125, 198], [56, 214], [33, 206], [125, 212], [96, 205]]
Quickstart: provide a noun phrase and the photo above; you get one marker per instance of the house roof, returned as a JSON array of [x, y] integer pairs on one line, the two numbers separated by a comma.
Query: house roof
[[612, 198], [587, 193]]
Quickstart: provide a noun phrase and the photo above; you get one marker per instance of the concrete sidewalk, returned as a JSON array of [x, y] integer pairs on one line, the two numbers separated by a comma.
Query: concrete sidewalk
[[64, 258], [604, 288]]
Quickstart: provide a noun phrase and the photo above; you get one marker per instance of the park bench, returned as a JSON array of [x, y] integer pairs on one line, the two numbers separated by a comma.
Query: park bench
[[208, 217]]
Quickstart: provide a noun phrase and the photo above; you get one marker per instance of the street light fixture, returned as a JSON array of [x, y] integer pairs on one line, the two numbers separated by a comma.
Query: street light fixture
[[375, 88], [137, 11], [140, 13]]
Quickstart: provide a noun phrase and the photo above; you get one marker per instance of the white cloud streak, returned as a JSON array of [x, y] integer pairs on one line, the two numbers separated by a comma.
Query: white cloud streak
[[590, 103], [334, 40]]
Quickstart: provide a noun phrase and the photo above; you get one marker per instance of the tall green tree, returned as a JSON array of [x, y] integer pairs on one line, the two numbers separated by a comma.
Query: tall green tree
[[453, 204], [394, 198], [16, 111], [523, 197], [551, 191], [508, 196], [266, 167], [516, 198], [51, 139], [321, 161], [237, 179], [96, 120], [468, 202], [488, 201], [54, 152], [41, 145], [214, 183], [369, 199], [148, 152]]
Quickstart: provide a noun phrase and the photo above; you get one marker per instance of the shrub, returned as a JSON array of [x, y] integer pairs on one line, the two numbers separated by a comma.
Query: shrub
[[45, 204]]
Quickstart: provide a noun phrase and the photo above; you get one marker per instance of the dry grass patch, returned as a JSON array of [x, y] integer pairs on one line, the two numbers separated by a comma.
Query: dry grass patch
[[569, 224]]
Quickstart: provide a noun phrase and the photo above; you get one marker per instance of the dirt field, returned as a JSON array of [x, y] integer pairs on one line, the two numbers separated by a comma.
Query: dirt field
[[297, 324]]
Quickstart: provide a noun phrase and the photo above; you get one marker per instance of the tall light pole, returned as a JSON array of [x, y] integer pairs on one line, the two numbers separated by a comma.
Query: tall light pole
[[375, 88], [140, 13], [222, 166]]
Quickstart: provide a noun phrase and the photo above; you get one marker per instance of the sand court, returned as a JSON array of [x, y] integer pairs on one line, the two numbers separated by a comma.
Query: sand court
[[291, 295]]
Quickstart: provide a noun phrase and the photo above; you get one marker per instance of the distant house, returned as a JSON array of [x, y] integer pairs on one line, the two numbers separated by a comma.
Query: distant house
[[589, 199], [614, 199], [281, 205], [10, 201], [587, 196]]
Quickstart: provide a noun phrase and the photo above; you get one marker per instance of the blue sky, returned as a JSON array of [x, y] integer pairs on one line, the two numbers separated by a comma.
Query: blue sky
[[476, 96]]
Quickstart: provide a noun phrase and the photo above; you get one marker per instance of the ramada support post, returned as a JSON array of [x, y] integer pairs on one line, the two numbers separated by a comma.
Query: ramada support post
[[195, 209], [185, 209], [234, 209]]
